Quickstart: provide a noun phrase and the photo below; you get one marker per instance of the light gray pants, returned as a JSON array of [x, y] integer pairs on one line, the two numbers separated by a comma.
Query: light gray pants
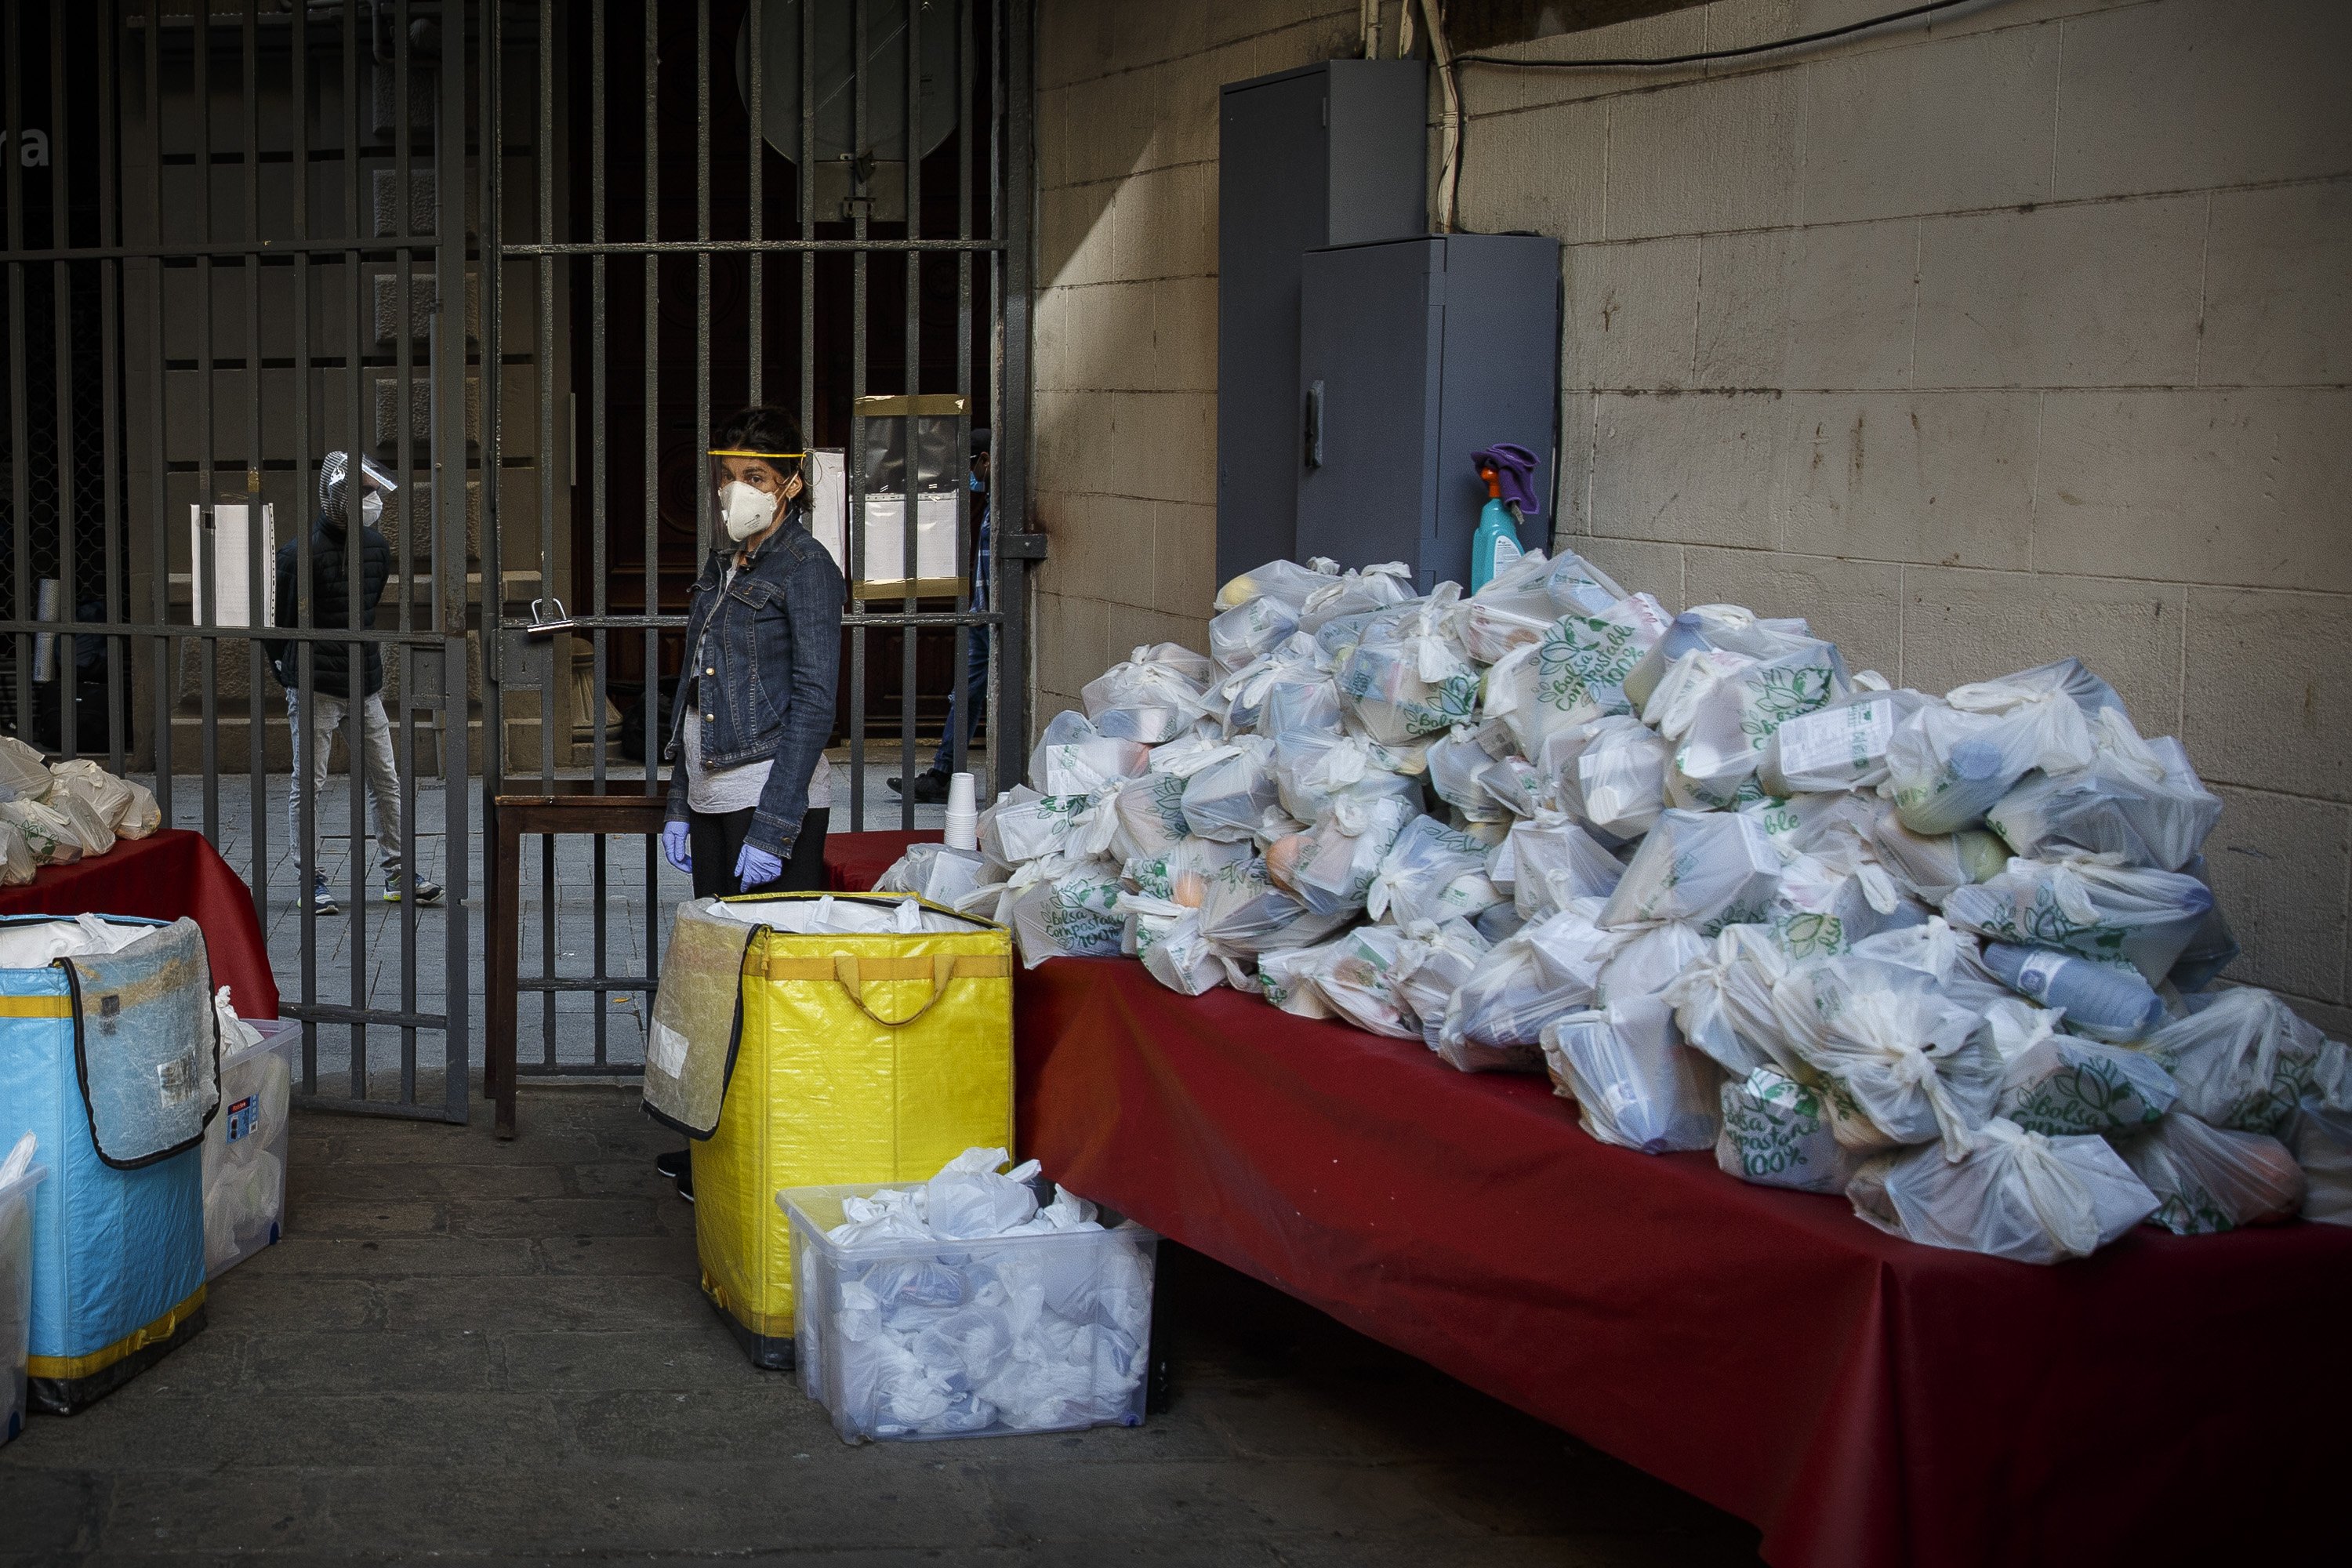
[[370, 747]]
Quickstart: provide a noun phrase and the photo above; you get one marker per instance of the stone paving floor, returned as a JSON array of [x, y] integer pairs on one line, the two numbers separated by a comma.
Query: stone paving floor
[[483, 1352]]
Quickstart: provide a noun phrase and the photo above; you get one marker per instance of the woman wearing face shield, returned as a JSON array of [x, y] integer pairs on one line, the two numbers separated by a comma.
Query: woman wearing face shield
[[749, 789]]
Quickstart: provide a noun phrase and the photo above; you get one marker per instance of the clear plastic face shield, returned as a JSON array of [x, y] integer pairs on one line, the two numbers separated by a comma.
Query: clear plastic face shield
[[375, 483], [752, 488]]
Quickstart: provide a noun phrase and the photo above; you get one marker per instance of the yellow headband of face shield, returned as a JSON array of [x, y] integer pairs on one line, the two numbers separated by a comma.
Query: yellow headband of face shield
[[733, 452]]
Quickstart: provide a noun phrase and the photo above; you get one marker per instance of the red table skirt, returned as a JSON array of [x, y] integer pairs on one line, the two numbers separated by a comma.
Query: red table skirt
[[1863, 1399], [853, 860], [165, 876]]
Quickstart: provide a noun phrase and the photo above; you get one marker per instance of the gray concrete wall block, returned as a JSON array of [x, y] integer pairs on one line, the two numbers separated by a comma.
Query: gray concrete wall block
[[1164, 224], [1690, 469], [1628, 312], [1947, 125], [2105, 294], [1716, 155], [2280, 866], [1962, 626], [1824, 307], [1939, 477], [2276, 262], [1544, 170], [2185, 94], [2241, 487], [2264, 702]]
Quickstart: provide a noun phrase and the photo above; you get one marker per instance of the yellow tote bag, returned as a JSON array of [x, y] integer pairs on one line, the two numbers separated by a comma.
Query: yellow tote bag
[[857, 1058]]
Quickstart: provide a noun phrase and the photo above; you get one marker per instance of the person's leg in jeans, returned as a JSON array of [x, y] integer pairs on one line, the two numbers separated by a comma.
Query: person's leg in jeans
[[373, 742], [309, 777], [965, 705]]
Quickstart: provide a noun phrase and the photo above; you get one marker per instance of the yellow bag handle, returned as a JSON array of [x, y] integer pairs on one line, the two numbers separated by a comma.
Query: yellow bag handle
[[854, 975], [846, 970]]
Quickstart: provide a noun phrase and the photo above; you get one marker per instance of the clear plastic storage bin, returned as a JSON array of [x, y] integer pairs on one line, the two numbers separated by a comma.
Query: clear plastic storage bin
[[244, 1148], [905, 1339], [16, 1294]]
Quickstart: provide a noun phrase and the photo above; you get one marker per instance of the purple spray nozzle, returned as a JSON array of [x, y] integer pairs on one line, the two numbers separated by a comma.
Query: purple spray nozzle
[[1509, 470]]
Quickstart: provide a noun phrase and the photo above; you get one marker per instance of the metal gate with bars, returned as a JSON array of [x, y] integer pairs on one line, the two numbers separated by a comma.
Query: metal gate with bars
[[521, 255]]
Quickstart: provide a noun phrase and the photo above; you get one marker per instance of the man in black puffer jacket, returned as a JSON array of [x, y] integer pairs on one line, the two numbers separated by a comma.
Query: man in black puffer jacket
[[334, 695]]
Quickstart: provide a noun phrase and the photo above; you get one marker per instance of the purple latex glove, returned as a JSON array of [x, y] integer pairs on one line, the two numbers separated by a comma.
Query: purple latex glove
[[755, 867], [674, 845]]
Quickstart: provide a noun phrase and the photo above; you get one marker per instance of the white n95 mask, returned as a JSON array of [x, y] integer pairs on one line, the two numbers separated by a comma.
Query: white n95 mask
[[744, 510], [371, 508]]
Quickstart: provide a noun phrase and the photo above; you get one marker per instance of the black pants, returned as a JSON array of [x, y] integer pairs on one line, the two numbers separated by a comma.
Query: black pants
[[716, 842]]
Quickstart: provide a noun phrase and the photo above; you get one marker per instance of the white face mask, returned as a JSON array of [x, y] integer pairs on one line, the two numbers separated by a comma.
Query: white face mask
[[371, 508], [745, 510]]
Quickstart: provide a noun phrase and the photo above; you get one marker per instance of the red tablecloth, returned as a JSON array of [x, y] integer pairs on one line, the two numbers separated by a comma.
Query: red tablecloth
[[1864, 1400], [165, 876], [853, 860]]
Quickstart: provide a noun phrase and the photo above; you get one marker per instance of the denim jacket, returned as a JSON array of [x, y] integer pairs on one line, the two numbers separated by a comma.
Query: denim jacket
[[765, 683]]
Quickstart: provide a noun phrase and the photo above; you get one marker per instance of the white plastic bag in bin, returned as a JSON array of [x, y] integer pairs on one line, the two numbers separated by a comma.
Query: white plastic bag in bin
[[2014, 1194], [2138, 799], [1234, 796], [1723, 1002], [2321, 1139], [1948, 762], [1840, 747], [2243, 1058], [2131, 914], [1495, 1019], [1708, 868], [1151, 695], [1611, 773], [1633, 1082], [1908, 1063], [1776, 1133], [1042, 1326], [2210, 1179]]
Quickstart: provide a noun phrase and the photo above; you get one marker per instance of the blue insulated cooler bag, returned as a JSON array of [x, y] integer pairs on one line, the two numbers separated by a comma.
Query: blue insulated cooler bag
[[112, 1061]]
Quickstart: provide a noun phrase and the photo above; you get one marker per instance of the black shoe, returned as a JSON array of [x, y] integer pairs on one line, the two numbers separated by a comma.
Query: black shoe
[[930, 788], [676, 1167], [685, 1184]]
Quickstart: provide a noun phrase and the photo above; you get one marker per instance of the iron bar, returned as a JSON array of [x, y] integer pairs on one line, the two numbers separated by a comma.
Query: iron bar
[[909, 552]]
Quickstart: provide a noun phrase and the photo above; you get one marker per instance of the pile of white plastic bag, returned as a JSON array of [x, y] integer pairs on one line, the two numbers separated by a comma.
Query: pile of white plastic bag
[[937, 1331], [1951, 956], [57, 815]]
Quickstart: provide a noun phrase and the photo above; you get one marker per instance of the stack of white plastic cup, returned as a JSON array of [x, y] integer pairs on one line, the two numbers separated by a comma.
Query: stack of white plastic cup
[[963, 816]]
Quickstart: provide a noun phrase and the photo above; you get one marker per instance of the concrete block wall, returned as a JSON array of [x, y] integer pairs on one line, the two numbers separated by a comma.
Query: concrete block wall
[[2020, 332], [1125, 334]]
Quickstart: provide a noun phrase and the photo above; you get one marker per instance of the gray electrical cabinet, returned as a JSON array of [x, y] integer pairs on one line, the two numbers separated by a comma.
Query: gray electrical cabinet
[[1333, 154], [1413, 354]]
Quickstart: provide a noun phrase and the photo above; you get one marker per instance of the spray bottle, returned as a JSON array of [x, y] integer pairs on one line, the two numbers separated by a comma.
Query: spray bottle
[[1510, 473]]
